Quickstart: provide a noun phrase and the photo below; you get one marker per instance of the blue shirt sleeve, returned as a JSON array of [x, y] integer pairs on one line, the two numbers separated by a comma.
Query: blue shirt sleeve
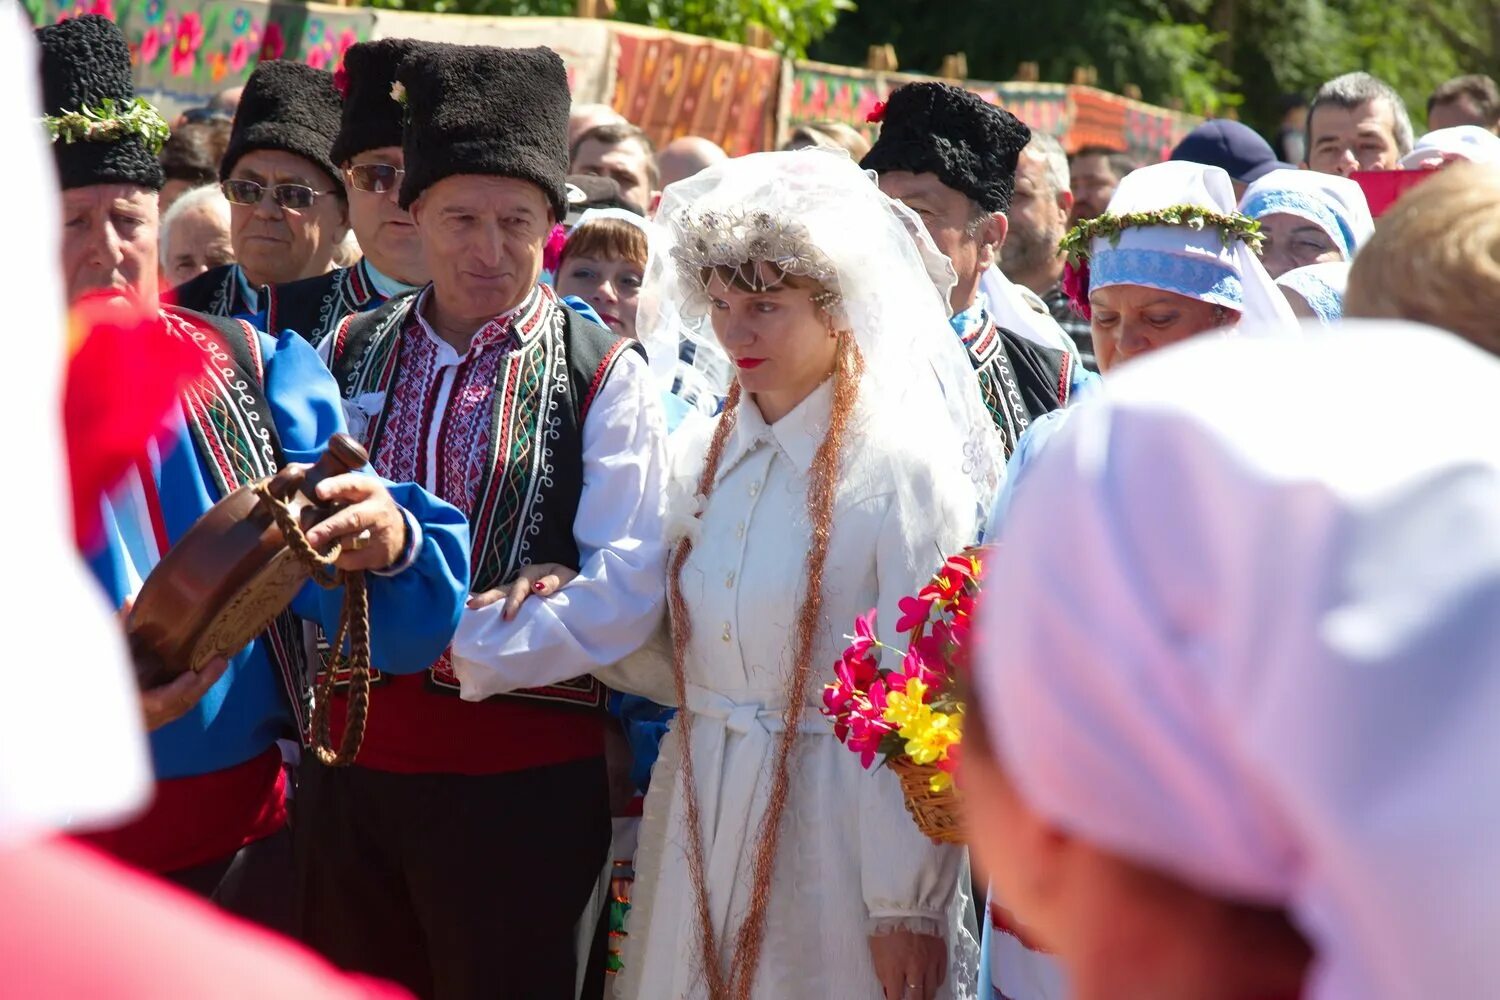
[[413, 614], [1083, 383]]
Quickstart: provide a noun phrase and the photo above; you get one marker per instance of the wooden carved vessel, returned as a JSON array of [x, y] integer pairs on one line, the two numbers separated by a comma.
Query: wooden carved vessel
[[232, 573]]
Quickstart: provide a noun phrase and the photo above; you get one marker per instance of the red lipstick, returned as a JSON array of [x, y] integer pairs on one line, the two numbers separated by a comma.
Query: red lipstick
[[748, 363]]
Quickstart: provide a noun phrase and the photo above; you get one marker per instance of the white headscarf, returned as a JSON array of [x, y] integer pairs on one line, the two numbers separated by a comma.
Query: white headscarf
[[1461, 142], [1194, 263], [892, 284], [1265, 655], [1334, 204], [72, 751]]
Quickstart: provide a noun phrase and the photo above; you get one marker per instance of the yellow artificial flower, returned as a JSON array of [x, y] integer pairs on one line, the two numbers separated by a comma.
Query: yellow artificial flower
[[941, 782], [902, 709], [928, 743]]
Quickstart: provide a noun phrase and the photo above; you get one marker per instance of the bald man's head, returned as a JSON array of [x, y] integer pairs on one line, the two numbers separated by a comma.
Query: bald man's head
[[682, 158]]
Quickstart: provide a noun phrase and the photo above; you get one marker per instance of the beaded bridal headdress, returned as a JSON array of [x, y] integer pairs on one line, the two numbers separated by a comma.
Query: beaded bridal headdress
[[758, 220]]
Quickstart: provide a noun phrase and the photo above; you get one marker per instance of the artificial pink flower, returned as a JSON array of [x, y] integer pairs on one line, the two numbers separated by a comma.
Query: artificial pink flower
[[914, 612], [877, 113], [864, 635], [856, 672], [865, 736], [341, 81]]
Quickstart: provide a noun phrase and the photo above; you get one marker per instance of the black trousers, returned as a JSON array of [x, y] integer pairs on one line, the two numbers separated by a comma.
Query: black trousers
[[256, 882], [455, 886]]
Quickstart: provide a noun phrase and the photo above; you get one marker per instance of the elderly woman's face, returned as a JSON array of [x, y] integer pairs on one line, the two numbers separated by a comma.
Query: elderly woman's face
[[1293, 242], [197, 241], [275, 244], [1129, 320], [109, 241]]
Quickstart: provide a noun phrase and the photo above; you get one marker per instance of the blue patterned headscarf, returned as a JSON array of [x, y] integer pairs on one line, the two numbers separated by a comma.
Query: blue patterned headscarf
[[1194, 263], [1334, 204]]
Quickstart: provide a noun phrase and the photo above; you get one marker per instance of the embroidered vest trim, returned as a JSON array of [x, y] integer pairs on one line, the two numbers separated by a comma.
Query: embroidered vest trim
[[525, 502], [234, 430], [314, 306]]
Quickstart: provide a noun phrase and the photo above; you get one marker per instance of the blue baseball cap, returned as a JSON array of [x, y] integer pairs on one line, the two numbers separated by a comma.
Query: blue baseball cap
[[1231, 145]]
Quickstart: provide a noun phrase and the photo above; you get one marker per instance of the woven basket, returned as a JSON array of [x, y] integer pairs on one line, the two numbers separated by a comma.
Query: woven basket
[[935, 813]]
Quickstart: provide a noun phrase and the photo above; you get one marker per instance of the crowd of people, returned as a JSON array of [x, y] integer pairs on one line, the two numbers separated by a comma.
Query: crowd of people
[[649, 430]]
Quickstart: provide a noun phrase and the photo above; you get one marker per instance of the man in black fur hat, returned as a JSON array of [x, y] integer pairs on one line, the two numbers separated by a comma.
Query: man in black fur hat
[[217, 825], [288, 212], [459, 854], [368, 152], [951, 157]]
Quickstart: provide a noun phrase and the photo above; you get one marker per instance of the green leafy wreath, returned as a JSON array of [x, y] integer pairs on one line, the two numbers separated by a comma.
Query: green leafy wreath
[[109, 122], [1079, 240]]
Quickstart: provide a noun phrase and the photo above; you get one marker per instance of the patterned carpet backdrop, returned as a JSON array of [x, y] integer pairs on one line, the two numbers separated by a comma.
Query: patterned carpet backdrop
[[670, 84]]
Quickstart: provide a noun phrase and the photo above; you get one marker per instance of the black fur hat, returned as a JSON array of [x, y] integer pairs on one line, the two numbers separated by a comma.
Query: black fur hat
[[372, 118], [476, 109], [291, 107], [937, 128], [85, 62]]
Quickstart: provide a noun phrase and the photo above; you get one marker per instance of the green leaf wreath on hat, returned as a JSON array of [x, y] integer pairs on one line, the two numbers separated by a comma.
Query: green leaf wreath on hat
[[109, 122], [1078, 243]]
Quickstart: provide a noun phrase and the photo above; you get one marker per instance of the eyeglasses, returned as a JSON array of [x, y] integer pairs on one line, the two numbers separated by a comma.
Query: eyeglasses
[[293, 196], [377, 178]]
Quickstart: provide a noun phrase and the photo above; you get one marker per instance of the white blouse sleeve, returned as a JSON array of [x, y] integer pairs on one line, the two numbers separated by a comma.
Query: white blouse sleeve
[[617, 599], [909, 882]]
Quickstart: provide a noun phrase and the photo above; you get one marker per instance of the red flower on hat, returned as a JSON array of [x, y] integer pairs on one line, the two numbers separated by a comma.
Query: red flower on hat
[[1076, 287], [274, 46], [877, 113], [341, 81]]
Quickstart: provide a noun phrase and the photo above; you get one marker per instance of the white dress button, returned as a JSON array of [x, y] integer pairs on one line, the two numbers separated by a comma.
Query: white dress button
[[726, 632], [729, 580]]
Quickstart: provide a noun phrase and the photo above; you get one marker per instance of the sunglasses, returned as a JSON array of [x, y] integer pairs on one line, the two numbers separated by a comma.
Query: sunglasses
[[376, 178], [293, 196]]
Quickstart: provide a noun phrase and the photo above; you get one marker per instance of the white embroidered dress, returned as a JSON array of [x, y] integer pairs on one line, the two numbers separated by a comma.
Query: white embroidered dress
[[850, 859]]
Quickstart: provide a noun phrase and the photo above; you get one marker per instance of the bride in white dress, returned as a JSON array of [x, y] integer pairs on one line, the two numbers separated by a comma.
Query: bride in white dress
[[853, 454]]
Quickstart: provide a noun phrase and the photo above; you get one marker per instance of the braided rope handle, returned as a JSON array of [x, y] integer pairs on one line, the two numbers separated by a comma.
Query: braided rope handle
[[354, 629]]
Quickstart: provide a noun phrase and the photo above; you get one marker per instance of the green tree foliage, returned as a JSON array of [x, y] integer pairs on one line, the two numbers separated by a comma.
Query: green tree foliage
[[1204, 55], [793, 24]]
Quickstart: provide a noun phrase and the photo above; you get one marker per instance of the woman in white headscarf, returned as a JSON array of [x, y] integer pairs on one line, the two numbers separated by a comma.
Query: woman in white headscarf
[[1307, 217], [1316, 291], [853, 450], [1245, 747], [1458, 144]]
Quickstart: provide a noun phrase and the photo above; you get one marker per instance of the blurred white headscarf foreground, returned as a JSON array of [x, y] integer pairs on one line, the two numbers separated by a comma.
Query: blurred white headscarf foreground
[[1271, 667], [72, 749]]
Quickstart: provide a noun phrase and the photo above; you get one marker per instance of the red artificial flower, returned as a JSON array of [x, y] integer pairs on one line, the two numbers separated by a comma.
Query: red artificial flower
[[865, 736], [552, 253], [1076, 287], [877, 113], [274, 45], [856, 671], [341, 81], [122, 381]]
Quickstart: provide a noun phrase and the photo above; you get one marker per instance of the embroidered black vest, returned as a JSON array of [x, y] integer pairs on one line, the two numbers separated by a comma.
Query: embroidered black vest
[[213, 293], [314, 306], [234, 431], [1018, 380], [526, 504]]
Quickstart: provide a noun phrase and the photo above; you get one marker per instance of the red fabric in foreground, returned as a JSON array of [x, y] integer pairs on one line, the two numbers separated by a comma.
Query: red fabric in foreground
[[76, 924], [193, 821]]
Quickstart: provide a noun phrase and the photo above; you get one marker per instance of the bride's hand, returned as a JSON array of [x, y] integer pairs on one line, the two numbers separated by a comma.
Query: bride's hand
[[909, 966], [538, 580]]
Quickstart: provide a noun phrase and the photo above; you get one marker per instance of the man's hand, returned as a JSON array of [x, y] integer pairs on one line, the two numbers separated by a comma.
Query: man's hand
[[371, 529], [537, 580], [176, 698]]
